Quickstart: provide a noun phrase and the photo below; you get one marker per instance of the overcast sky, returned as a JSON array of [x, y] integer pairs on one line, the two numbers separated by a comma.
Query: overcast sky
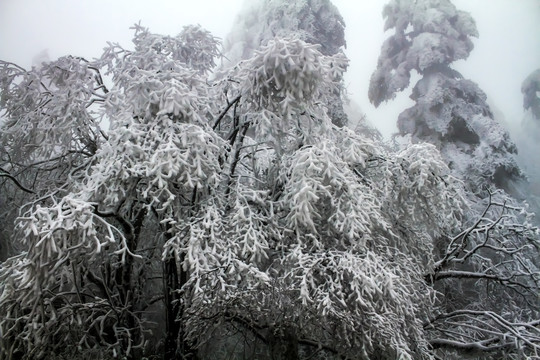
[[507, 50]]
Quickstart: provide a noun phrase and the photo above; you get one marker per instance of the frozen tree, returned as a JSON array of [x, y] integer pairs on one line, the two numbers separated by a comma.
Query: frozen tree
[[237, 216], [91, 223], [450, 112], [531, 128], [531, 98], [528, 137], [49, 129], [313, 21]]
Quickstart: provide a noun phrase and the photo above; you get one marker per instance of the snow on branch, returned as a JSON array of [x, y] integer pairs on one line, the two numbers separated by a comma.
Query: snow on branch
[[493, 258], [486, 331]]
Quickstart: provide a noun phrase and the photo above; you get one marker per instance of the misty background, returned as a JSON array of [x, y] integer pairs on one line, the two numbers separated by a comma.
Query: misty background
[[507, 50]]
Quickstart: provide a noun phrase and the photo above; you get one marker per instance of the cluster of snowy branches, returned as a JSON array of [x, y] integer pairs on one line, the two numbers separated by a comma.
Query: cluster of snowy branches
[[316, 22], [313, 21]]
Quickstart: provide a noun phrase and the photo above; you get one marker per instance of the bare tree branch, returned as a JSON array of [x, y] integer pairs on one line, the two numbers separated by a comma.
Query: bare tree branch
[[5, 173]]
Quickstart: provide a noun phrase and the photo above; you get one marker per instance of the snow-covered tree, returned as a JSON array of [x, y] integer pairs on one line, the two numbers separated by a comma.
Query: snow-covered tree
[[450, 112], [316, 22], [528, 137], [106, 283], [234, 212], [489, 277], [531, 98], [49, 129]]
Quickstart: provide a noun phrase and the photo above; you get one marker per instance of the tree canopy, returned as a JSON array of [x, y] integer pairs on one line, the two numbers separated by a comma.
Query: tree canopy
[[313, 21]]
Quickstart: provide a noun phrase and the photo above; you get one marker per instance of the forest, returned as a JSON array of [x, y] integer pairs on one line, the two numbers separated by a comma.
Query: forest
[[184, 197]]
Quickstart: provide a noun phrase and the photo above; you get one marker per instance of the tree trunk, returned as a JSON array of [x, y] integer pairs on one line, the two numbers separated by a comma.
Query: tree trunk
[[172, 326], [124, 279], [176, 346]]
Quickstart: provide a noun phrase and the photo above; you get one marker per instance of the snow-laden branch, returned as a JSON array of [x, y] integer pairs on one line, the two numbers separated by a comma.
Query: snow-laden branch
[[490, 332], [494, 253]]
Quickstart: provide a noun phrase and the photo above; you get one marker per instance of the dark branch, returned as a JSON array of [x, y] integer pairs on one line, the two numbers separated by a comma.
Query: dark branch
[[222, 115], [5, 173]]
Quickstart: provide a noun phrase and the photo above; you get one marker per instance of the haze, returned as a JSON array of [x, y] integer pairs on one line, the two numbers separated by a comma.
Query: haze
[[505, 53]]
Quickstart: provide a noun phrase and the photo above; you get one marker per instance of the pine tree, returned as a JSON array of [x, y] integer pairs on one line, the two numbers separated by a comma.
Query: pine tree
[[450, 112], [530, 89]]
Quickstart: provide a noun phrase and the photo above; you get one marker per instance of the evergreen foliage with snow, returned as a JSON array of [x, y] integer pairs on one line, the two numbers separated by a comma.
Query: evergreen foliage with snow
[[531, 89], [450, 112]]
